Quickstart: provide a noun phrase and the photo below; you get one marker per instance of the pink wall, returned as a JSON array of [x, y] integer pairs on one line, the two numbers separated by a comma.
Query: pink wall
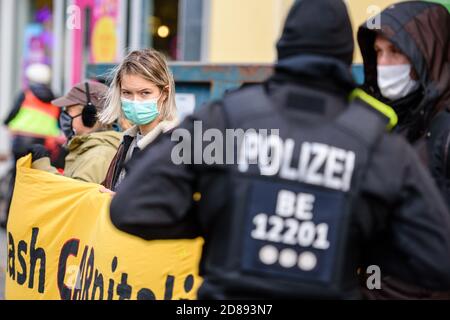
[[77, 44]]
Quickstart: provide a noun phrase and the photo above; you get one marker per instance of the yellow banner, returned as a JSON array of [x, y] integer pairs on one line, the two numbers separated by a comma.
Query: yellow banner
[[62, 245]]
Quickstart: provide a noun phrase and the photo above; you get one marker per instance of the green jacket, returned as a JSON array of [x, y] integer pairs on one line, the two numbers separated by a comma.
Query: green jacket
[[89, 156]]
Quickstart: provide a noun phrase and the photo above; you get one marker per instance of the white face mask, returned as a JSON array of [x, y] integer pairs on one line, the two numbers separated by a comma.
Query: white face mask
[[395, 81]]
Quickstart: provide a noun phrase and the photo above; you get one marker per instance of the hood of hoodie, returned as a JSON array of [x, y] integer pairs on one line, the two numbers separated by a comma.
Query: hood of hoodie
[[80, 144], [421, 30], [42, 92], [319, 27], [318, 54]]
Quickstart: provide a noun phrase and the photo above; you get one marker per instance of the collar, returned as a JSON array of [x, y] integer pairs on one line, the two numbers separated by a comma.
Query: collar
[[162, 127]]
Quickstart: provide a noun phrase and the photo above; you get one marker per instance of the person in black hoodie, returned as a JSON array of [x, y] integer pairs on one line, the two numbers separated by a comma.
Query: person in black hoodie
[[293, 213], [407, 65]]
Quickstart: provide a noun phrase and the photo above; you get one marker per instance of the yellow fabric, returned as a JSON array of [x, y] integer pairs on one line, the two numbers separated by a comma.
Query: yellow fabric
[[61, 243]]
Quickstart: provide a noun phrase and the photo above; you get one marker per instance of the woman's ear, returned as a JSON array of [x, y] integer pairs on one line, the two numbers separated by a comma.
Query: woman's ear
[[165, 93]]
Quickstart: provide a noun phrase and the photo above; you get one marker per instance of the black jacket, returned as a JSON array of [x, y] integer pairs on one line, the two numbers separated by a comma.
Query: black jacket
[[397, 219], [401, 223], [421, 30]]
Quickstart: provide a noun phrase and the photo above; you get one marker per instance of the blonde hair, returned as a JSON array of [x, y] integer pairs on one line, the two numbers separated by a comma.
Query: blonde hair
[[151, 66]]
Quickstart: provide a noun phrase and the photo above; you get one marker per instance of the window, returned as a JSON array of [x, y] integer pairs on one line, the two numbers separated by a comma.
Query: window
[[38, 40], [173, 27], [161, 26]]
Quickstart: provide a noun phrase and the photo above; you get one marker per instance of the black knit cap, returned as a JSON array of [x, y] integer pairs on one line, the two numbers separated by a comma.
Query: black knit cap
[[319, 27]]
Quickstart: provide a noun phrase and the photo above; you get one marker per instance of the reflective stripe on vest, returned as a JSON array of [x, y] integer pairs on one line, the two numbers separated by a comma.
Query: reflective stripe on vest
[[36, 118], [378, 105]]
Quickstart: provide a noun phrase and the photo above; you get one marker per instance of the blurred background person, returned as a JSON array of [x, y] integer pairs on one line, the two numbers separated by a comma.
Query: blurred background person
[[34, 120]]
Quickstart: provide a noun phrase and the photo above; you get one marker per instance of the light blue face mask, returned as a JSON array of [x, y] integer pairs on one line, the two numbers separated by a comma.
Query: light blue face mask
[[140, 112]]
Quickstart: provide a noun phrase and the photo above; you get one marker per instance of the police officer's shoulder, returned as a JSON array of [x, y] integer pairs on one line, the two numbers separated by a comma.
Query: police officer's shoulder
[[397, 150], [215, 113], [394, 145], [243, 91], [381, 109], [392, 154], [212, 106], [210, 114], [248, 101], [242, 87], [390, 159]]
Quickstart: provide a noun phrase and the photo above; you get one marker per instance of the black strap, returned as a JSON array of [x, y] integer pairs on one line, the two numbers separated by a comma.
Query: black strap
[[88, 94]]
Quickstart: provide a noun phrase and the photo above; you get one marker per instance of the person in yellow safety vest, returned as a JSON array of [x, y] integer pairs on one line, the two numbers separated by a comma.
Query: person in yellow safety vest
[[34, 120]]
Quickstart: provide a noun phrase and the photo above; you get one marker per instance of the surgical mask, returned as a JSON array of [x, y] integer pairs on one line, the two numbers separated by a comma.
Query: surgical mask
[[140, 112], [65, 122], [395, 81]]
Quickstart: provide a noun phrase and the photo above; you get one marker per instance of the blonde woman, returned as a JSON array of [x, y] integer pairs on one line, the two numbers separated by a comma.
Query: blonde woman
[[143, 92]]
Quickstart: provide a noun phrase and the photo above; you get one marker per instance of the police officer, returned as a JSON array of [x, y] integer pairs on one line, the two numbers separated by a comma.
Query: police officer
[[314, 189]]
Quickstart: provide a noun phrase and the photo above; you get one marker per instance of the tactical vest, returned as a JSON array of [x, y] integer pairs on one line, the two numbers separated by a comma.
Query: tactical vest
[[285, 233], [36, 118]]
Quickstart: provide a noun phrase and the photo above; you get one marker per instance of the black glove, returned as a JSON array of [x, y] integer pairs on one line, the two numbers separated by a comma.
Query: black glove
[[38, 151]]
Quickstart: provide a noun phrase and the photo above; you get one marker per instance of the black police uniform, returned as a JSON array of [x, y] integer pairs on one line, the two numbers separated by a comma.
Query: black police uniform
[[332, 191]]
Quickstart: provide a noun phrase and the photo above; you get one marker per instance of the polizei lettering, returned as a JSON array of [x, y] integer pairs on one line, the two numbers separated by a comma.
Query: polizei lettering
[[315, 163]]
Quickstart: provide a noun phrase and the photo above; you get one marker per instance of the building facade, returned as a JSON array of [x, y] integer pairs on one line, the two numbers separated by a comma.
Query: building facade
[[70, 34]]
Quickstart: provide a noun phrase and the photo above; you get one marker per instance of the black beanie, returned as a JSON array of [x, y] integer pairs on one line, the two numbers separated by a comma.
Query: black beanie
[[320, 27]]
